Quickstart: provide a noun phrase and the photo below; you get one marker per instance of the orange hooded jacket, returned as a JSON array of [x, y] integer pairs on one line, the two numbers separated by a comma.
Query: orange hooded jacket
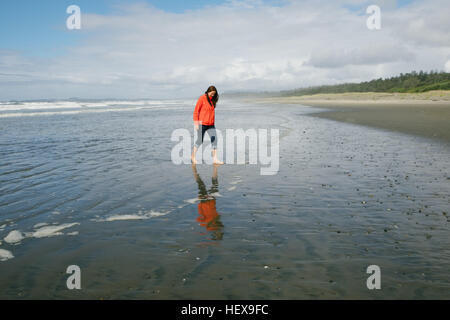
[[204, 112]]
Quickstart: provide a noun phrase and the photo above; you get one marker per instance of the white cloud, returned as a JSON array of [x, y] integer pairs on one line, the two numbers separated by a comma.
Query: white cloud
[[447, 66], [141, 51]]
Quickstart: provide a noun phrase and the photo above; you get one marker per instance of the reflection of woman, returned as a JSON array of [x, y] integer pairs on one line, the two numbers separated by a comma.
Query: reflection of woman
[[204, 121], [208, 215]]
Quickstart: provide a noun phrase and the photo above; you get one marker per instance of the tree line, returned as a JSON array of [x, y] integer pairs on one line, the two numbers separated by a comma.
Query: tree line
[[405, 82]]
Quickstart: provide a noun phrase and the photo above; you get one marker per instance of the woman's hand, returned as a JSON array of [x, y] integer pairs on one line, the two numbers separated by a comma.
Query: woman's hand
[[196, 127]]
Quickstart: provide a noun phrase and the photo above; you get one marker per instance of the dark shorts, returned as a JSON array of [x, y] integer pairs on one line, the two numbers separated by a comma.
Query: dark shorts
[[201, 134]]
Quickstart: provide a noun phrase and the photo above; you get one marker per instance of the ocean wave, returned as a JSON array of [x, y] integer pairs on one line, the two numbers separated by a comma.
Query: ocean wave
[[47, 105], [51, 113], [30, 109]]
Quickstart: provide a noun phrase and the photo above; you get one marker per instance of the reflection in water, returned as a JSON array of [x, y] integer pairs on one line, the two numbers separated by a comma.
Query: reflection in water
[[208, 215]]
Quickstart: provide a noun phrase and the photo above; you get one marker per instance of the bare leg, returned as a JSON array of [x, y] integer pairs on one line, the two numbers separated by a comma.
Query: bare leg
[[194, 152], [215, 175], [216, 161], [194, 170]]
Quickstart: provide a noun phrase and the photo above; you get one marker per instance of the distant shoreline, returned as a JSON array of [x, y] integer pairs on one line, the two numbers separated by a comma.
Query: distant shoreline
[[425, 114], [363, 98]]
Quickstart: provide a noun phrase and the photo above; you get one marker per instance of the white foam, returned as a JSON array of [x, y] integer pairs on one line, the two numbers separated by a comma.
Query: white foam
[[50, 231], [84, 105], [192, 201], [75, 233], [5, 255], [138, 216], [76, 107], [211, 196], [39, 105], [32, 114], [14, 237], [215, 194], [40, 225], [232, 188]]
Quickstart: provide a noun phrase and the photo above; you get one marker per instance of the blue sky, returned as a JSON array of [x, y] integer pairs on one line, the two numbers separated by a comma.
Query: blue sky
[[37, 27], [360, 8]]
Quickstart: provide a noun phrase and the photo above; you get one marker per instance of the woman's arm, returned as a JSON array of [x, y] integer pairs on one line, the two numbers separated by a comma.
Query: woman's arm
[[197, 109]]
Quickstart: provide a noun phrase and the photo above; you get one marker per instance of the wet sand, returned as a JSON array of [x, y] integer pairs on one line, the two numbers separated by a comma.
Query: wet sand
[[426, 115], [95, 187]]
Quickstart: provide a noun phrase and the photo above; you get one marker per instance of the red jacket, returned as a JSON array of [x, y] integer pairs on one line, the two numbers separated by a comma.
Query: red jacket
[[204, 112]]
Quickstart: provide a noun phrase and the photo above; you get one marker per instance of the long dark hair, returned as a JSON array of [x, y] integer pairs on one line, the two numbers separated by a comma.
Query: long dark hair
[[215, 99]]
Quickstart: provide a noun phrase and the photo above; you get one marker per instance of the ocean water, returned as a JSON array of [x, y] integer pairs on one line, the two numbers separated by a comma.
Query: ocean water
[[92, 184]]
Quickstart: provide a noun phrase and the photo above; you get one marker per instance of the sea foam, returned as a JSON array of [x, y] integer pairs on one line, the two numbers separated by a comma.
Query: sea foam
[[138, 216], [14, 237], [50, 231], [5, 255]]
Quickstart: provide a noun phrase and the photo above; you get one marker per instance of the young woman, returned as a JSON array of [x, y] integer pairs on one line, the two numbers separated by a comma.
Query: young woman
[[204, 115]]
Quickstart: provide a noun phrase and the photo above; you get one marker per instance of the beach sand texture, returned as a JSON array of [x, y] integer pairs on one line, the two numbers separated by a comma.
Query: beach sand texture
[[425, 114], [94, 186]]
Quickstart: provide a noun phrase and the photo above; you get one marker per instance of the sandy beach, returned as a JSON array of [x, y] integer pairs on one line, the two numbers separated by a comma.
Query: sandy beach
[[94, 185], [424, 114]]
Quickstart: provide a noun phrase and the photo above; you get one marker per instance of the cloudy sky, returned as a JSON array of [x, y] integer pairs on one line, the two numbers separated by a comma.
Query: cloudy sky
[[176, 49]]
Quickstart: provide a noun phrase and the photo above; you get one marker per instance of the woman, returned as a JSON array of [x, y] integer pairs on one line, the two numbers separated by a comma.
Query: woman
[[204, 115]]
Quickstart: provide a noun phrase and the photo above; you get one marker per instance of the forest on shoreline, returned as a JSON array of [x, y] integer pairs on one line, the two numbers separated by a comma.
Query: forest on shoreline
[[413, 82]]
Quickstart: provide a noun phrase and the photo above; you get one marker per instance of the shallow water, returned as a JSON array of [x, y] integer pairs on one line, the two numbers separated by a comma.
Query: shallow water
[[93, 185]]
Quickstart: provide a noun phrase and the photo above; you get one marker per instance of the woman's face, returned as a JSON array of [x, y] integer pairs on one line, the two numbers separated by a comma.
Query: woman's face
[[212, 93]]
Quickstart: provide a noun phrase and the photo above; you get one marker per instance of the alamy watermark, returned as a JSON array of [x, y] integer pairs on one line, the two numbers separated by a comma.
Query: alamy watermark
[[258, 148], [73, 22], [74, 281], [374, 281], [374, 20]]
